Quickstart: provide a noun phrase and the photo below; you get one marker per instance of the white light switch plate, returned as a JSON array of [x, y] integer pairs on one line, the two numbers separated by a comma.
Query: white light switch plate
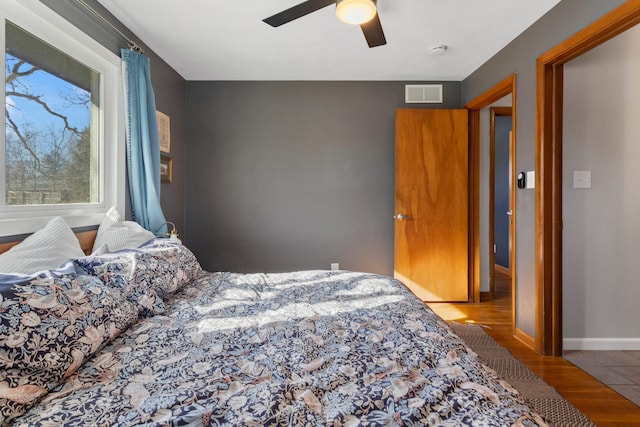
[[531, 179], [581, 179]]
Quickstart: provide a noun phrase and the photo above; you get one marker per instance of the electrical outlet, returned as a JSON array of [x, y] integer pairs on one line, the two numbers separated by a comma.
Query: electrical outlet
[[335, 266]]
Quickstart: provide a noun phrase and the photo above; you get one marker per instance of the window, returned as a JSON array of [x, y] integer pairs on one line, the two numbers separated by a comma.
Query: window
[[49, 126], [62, 146]]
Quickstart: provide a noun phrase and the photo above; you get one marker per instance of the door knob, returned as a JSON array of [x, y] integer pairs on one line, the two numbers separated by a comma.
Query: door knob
[[509, 213], [401, 217]]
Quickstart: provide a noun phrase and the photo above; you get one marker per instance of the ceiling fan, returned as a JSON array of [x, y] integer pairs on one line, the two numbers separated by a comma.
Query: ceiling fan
[[358, 12]]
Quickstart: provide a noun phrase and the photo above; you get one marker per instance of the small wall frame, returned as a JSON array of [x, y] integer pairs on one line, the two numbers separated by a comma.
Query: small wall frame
[[166, 169], [164, 131]]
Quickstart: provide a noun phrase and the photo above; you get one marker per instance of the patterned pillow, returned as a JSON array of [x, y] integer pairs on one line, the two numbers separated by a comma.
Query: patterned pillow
[[128, 271], [174, 264], [147, 274], [50, 322]]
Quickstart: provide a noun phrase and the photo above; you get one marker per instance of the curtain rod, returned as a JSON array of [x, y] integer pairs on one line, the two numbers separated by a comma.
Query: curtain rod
[[132, 45]]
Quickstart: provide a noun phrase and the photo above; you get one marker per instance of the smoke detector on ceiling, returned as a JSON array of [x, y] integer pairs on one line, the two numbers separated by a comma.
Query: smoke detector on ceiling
[[438, 50]]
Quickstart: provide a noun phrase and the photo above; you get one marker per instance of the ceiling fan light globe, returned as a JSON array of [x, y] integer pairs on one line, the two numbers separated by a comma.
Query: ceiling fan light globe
[[355, 12]]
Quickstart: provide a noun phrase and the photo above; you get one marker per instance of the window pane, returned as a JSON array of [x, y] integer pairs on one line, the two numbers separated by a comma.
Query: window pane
[[51, 124]]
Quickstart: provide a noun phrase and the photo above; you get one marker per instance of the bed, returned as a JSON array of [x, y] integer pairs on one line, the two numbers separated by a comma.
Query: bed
[[144, 336]]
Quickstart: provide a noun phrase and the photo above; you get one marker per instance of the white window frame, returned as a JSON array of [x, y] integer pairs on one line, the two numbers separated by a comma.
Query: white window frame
[[42, 22]]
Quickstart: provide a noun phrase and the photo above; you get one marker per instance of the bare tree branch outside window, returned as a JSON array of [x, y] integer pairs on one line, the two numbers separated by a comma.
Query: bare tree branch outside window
[[48, 144]]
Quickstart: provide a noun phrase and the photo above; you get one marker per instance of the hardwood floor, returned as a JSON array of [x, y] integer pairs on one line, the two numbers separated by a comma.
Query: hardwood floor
[[604, 406]]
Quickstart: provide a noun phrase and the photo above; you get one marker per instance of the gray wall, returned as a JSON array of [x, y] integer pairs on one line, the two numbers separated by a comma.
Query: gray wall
[[293, 175], [601, 235], [568, 17], [169, 88]]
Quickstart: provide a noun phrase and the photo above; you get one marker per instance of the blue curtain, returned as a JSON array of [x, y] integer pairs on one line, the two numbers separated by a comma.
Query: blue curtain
[[143, 143]]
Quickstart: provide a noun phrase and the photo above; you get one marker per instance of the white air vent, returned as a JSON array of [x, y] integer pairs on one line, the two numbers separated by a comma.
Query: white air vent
[[423, 94]]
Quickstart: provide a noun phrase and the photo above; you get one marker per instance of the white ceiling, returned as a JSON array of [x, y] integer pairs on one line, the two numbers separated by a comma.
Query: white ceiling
[[227, 40]]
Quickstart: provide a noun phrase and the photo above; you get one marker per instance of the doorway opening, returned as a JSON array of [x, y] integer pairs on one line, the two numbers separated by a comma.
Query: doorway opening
[[505, 88], [549, 144], [501, 197]]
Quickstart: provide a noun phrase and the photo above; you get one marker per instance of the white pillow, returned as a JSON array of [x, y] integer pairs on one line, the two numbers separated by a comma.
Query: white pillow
[[45, 249], [103, 249], [118, 234]]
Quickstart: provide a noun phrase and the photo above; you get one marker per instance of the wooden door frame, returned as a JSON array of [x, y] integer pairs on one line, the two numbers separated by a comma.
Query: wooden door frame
[[484, 100], [548, 214], [497, 112]]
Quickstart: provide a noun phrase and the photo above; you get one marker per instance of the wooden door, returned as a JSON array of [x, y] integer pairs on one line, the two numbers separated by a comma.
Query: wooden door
[[431, 203]]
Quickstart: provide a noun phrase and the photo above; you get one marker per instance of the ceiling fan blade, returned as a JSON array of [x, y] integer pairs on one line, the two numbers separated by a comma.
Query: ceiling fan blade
[[372, 31], [297, 11]]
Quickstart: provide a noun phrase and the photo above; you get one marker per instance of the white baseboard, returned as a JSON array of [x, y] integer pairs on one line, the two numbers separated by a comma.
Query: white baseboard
[[601, 344]]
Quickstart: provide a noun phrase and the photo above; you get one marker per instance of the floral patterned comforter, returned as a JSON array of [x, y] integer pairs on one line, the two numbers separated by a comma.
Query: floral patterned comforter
[[316, 348]]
